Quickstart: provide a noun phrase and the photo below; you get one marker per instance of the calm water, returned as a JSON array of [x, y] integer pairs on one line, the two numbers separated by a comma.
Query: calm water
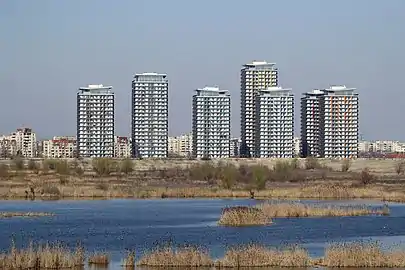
[[119, 225]]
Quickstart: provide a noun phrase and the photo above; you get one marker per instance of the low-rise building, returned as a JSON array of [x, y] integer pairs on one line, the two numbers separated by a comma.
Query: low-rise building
[[60, 147], [22, 142], [181, 146], [122, 147], [235, 147]]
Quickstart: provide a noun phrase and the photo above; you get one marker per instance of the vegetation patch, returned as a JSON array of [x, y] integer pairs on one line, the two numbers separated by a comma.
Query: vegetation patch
[[99, 259], [243, 216], [24, 214]]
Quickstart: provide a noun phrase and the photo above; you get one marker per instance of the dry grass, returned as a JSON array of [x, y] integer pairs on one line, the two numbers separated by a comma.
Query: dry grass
[[273, 210], [99, 259], [42, 257], [258, 256], [24, 214], [129, 261], [362, 255], [243, 216], [183, 257]]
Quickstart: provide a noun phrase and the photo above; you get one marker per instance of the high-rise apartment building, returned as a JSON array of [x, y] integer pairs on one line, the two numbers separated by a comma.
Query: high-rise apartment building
[[211, 123], [339, 122], [310, 123], [150, 115], [22, 142], [95, 121], [255, 76], [274, 129]]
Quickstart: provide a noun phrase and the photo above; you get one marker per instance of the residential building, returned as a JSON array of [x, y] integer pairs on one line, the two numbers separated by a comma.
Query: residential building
[[150, 115], [22, 142], [95, 121], [274, 123], [339, 122], [255, 76], [60, 147], [122, 147], [181, 146], [310, 123], [211, 123], [297, 146], [235, 147]]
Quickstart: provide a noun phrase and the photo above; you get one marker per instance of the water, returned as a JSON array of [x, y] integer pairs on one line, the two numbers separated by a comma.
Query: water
[[119, 225]]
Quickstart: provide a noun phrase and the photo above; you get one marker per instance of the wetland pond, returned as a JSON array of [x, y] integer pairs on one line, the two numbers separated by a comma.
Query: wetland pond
[[115, 226]]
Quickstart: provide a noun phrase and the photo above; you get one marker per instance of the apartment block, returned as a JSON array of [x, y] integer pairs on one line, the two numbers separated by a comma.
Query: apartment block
[[274, 129], [310, 123], [150, 115], [255, 76], [8, 147], [211, 123], [122, 147], [95, 121], [22, 142], [181, 146], [235, 147], [60, 147], [339, 122], [297, 146]]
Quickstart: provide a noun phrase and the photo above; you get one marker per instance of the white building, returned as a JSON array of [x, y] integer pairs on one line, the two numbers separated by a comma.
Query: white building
[[254, 77], [23, 143], [150, 115], [122, 147], [211, 123], [95, 121], [339, 122], [235, 147], [60, 147], [297, 146], [274, 123], [310, 123], [181, 145]]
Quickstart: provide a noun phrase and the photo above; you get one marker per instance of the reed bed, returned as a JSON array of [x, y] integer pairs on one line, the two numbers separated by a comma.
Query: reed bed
[[129, 260], [274, 210], [42, 257], [243, 216], [182, 257], [24, 214], [99, 259], [359, 254], [258, 256]]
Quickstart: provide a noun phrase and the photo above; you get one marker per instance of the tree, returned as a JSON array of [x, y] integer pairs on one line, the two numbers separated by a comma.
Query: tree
[[32, 165], [18, 163], [260, 176], [103, 166], [126, 166]]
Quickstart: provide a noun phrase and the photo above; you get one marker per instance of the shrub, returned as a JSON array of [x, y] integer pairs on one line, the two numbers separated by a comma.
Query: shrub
[[399, 167], [4, 171], [49, 164], [51, 190], [103, 166], [311, 163], [99, 259], [126, 166], [32, 165], [366, 177], [203, 172], [129, 261], [102, 186], [227, 174], [62, 167], [260, 176], [63, 180], [346, 163], [79, 171], [18, 163], [283, 171]]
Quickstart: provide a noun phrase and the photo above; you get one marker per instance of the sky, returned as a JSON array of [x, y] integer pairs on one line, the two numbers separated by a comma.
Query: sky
[[49, 48]]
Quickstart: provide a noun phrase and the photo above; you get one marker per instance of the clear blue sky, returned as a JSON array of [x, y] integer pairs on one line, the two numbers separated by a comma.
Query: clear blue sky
[[51, 47]]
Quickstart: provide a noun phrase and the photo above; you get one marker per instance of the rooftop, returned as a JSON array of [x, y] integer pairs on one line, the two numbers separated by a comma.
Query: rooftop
[[256, 63]]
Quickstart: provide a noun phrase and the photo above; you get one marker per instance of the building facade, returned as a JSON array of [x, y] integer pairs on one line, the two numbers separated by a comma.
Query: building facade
[[211, 123], [255, 76], [150, 115], [310, 124], [60, 147], [122, 147], [339, 122], [95, 121], [181, 146], [235, 147], [274, 123], [22, 142]]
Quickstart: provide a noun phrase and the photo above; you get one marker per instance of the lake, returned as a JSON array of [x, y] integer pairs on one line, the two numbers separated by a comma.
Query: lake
[[119, 225]]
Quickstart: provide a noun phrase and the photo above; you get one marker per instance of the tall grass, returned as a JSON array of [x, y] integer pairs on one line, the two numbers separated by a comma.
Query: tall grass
[[302, 210], [243, 216], [182, 257], [258, 256], [42, 257], [99, 259], [360, 254]]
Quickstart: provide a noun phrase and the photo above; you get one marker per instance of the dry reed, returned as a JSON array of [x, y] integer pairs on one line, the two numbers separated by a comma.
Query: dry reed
[[258, 256], [129, 261], [24, 214], [182, 257], [359, 254], [243, 216], [273, 210], [42, 257], [99, 259]]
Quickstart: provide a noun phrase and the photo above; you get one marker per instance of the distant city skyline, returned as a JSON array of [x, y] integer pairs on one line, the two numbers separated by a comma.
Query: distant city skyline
[[51, 48]]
